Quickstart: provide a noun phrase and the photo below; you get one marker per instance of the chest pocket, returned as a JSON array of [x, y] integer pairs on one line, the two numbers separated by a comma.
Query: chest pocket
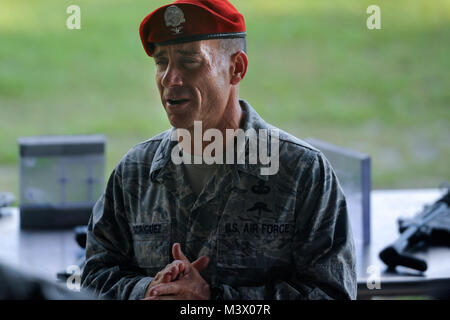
[[255, 245], [151, 244]]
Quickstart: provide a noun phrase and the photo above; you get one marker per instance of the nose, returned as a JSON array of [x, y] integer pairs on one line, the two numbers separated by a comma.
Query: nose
[[172, 77]]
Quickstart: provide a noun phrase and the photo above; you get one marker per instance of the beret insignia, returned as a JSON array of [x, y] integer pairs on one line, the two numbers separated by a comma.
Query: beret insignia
[[174, 17]]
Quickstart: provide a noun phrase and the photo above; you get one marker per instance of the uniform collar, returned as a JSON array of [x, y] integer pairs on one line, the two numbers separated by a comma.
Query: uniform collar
[[254, 121], [162, 155], [251, 120]]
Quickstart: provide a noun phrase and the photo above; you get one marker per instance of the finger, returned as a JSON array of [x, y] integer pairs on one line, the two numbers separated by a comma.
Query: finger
[[201, 263], [175, 274], [166, 288], [177, 253], [180, 268], [173, 269], [181, 265], [167, 278]]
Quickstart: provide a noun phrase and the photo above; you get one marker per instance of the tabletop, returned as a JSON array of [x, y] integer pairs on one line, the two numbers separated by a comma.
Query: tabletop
[[386, 207], [45, 253]]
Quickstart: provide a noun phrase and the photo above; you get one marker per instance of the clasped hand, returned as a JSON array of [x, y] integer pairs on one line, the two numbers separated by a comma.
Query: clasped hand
[[180, 280]]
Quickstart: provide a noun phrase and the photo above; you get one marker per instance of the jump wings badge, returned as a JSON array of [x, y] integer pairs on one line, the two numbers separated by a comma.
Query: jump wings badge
[[174, 16]]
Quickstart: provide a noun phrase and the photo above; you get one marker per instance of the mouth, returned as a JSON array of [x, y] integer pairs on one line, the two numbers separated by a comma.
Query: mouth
[[176, 102]]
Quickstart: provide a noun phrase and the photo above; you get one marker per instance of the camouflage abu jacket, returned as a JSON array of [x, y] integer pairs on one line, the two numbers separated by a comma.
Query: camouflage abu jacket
[[284, 236]]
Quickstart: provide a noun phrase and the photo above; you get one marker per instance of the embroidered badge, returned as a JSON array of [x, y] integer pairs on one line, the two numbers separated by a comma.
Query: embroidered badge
[[174, 17], [260, 188], [260, 206]]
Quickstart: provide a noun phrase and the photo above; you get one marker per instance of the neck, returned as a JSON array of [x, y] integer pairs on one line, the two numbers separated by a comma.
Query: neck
[[231, 119]]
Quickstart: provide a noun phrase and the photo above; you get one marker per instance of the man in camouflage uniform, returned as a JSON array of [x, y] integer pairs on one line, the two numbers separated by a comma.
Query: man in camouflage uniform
[[157, 233]]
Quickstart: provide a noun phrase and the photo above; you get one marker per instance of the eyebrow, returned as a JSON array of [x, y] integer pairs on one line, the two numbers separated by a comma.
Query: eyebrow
[[159, 54], [188, 52], [182, 52]]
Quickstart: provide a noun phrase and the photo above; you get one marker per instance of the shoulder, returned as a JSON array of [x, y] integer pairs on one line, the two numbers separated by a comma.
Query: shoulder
[[295, 144], [295, 149], [142, 154], [299, 161]]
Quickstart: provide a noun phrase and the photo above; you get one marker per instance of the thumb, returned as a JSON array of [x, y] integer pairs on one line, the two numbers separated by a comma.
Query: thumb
[[177, 253], [201, 263]]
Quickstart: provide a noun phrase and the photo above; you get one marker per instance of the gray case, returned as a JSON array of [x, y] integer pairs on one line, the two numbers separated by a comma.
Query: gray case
[[61, 177]]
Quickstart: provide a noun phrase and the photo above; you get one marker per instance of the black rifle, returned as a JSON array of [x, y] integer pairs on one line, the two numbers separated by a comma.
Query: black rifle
[[431, 226]]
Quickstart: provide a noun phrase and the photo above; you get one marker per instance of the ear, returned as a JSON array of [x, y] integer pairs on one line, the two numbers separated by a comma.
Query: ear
[[239, 63]]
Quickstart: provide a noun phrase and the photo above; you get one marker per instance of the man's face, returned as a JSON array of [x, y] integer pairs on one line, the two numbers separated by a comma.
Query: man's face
[[194, 82]]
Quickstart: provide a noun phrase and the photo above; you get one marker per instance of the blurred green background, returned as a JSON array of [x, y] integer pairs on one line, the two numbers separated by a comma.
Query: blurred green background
[[315, 71]]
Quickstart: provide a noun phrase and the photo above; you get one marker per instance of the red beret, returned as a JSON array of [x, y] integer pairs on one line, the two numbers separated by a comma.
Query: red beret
[[191, 20]]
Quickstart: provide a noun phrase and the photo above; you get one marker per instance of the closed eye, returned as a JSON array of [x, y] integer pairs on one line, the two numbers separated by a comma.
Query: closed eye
[[189, 61], [161, 62]]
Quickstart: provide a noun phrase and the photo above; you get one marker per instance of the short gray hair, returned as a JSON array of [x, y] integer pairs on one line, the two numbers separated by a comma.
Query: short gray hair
[[233, 45]]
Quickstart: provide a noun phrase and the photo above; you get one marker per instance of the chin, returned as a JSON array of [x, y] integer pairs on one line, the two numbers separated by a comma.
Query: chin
[[181, 123]]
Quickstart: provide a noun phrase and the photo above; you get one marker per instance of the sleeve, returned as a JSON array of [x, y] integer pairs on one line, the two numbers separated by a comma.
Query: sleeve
[[108, 271], [323, 246]]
